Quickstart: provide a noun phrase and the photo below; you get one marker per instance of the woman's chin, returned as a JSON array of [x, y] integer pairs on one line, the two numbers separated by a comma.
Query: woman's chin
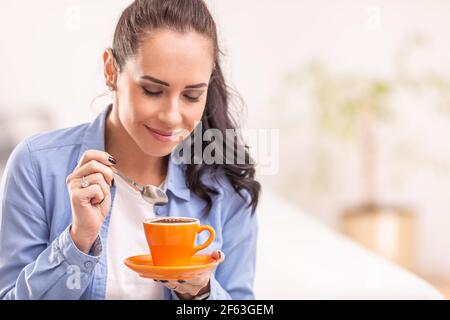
[[154, 150]]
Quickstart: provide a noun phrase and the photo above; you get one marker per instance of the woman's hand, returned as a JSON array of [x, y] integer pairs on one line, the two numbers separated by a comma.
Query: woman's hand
[[90, 203], [188, 289]]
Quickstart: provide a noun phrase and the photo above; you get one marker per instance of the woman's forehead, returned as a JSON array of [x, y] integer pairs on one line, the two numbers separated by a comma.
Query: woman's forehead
[[168, 48], [178, 58]]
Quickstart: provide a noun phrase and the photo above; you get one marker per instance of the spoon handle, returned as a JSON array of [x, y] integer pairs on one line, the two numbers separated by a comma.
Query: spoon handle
[[139, 187]]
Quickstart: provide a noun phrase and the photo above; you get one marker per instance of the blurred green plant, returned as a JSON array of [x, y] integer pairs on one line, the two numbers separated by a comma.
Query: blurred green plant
[[339, 100], [349, 107]]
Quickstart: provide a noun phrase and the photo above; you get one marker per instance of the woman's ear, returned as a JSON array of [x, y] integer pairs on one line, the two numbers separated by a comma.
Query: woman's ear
[[109, 69]]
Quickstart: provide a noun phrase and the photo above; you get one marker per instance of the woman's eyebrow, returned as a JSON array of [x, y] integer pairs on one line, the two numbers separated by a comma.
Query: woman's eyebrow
[[155, 80]]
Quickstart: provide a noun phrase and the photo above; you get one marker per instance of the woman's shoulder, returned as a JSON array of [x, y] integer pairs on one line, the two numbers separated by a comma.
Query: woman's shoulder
[[58, 138], [44, 148]]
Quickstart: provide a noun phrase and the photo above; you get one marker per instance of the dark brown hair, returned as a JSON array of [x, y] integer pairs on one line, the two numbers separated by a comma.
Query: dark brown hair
[[144, 16]]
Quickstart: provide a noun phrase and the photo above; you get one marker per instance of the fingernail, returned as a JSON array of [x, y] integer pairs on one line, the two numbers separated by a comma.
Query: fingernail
[[181, 281], [112, 160], [164, 281], [220, 254]]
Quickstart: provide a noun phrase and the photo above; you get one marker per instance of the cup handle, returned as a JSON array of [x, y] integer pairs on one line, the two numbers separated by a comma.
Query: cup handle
[[212, 234]]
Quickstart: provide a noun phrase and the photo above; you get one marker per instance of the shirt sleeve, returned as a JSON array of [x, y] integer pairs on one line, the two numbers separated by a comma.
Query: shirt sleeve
[[30, 266], [234, 277]]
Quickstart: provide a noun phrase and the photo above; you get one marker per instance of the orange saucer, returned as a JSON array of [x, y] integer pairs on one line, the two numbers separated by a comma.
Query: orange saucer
[[143, 265]]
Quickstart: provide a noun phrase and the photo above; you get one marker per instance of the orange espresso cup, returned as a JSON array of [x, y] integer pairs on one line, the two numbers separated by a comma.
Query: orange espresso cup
[[172, 239]]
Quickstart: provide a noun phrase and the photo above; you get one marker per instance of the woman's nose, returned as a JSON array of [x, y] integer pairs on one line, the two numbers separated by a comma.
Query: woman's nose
[[170, 114]]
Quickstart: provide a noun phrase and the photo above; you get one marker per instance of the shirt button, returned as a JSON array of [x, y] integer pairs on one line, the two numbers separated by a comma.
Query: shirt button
[[88, 265]]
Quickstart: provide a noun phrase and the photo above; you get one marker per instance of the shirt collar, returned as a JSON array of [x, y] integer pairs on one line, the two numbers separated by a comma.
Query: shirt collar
[[94, 138]]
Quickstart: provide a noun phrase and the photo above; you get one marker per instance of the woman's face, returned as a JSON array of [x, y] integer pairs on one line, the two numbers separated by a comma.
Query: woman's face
[[161, 92]]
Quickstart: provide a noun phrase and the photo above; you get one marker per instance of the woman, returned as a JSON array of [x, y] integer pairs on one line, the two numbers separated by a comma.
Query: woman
[[68, 219]]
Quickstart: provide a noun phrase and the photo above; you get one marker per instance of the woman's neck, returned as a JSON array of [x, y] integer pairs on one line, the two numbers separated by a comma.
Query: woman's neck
[[131, 161]]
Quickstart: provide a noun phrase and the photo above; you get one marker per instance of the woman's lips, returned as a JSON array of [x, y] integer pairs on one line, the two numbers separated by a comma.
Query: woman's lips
[[163, 136]]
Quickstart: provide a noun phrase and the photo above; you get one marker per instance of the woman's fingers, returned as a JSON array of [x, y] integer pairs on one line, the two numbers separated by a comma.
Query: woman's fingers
[[93, 161], [191, 287], [91, 195], [218, 255], [95, 178], [97, 155], [93, 167]]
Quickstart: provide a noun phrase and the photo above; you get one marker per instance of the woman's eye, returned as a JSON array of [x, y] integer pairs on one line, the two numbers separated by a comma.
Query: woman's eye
[[151, 93], [158, 93], [193, 99]]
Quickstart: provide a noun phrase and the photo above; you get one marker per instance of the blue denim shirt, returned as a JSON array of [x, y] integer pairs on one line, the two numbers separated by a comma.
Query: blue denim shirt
[[38, 259]]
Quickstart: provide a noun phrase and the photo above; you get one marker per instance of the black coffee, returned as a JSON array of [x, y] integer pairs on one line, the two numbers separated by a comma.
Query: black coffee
[[174, 220]]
